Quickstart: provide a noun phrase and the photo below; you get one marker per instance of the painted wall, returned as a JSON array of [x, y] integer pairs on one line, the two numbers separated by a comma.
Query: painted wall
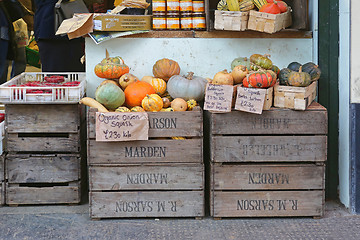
[[204, 56], [344, 100], [355, 50]]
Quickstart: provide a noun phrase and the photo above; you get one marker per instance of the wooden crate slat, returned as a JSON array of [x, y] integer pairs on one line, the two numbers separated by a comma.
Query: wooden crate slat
[[268, 148], [146, 204], [273, 121], [268, 203], [43, 195], [2, 169], [164, 124], [24, 168], [154, 150], [2, 193], [46, 144], [141, 177], [42, 118], [267, 177]]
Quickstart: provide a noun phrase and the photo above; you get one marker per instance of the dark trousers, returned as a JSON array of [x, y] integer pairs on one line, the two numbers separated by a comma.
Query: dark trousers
[[61, 55]]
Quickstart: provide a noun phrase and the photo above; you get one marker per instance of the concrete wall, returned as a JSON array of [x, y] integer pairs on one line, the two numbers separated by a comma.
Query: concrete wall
[[355, 51]]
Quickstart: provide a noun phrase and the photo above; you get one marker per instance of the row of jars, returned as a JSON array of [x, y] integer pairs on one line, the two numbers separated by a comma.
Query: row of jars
[[178, 15]]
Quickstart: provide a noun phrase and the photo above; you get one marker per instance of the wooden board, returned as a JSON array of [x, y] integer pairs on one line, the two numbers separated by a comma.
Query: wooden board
[[298, 98], [147, 204], [16, 194], [231, 20], [164, 124], [32, 118], [147, 177], [268, 148], [267, 177], [267, 204], [67, 142], [267, 22], [150, 151], [275, 121], [2, 193], [2, 168], [300, 16], [27, 168]]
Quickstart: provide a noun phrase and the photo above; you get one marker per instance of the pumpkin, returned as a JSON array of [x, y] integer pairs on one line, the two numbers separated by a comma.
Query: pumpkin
[[122, 109], [299, 79], [284, 76], [159, 85], [241, 61], [110, 95], [136, 91], [127, 79], [110, 71], [110, 81], [166, 102], [147, 79], [113, 60], [189, 87], [294, 66], [259, 3], [137, 109], [281, 4], [169, 109], [262, 61], [246, 5], [275, 69], [223, 78], [191, 104], [222, 6], [152, 103], [259, 79], [272, 8], [179, 105], [238, 73], [166, 68], [313, 70]]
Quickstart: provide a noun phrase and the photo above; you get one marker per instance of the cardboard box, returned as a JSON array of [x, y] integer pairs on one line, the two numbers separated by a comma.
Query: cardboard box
[[231, 20], [108, 22], [267, 22]]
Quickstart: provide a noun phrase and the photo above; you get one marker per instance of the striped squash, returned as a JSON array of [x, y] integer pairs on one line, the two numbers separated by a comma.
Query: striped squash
[[246, 5], [259, 3], [159, 85], [222, 5], [152, 103]]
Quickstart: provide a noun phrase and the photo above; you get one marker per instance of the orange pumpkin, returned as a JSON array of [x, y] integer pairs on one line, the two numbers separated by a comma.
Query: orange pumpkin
[[166, 68], [152, 103], [110, 71], [136, 91]]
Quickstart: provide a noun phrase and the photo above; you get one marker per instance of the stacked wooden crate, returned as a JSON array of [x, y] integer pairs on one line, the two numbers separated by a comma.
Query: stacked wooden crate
[[2, 182], [159, 177], [267, 165], [43, 161]]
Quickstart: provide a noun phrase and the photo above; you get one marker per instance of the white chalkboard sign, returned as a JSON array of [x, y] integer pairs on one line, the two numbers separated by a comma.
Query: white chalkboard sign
[[218, 98], [119, 126], [250, 99]]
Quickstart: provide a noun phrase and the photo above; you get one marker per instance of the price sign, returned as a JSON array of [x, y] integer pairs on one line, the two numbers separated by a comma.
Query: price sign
[[118, 126], [218, 98], [250, 99]]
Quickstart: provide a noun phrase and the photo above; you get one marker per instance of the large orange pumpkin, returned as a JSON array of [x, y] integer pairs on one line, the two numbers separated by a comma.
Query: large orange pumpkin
[[136, 91], [166, 68], [110, 71]]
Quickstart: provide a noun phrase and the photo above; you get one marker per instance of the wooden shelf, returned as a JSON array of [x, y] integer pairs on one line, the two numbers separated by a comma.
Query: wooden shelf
[[287, 33]]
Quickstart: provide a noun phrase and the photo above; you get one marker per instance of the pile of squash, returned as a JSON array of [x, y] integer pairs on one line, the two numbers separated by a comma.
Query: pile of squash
[[298, 75], [166, 90], [266, 6]]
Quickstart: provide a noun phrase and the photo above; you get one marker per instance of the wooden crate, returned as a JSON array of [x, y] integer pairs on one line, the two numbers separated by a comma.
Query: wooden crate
[[267, 22], [43, 178], [43, 127], [298, 98], [268, 165], [231, 20], [2, 181], [159, 177]]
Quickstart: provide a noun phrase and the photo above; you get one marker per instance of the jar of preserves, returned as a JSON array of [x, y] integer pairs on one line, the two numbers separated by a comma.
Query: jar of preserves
[[173, 22], [186, 22], [159, 22], [199, 22]]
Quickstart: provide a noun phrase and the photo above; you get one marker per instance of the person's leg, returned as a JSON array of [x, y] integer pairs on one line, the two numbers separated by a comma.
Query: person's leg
[[19, 64], [3, 61]]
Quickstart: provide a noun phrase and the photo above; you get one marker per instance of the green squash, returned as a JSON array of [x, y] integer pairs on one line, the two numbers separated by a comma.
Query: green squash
[[284, 76], [313, 70], [294, 66], [241, 61], [261, 60], [110, 95], [299, 79]]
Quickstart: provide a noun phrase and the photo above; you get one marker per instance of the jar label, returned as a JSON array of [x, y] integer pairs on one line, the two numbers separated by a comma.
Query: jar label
[[173, 5], [159, 23], [158, 6], [173, 23], [198, 6], [186, 6], [199, 22], [186, 23]]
